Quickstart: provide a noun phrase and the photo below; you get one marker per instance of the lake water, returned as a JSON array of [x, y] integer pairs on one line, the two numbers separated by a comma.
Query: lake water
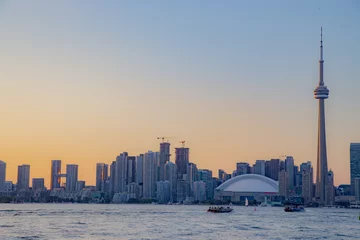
[[91, 221]]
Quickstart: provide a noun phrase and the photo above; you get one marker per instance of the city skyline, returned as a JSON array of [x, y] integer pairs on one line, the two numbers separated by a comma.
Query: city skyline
[[84, 91]]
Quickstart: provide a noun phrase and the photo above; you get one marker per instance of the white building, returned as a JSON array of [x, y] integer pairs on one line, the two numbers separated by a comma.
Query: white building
[[150, 174], [200, 191], [2, 176], [163, 192]]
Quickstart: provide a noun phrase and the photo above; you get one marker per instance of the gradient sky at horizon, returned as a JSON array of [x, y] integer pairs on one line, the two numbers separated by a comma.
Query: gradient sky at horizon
[[83, 81]]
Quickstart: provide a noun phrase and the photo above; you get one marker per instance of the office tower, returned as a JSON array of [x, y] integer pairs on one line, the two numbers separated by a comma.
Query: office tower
[[204, 175], [354, 164], [221, 174], [192, 176], [101, 176], [281, 165], [200, 191], [296, 171], [272, 169], [211, 184], [112, 176], [164, 158], [38, 184], [182, 160], [71, 177], [121, 172], [330, 191], [2, 176], [163, 193], [259, 167], [289, 165], [321, 93], [181, 192], [55, 179], [242, 168], [80, 185], [131, 177], [23, 178], [307, 182], [150, 174], [171, 176], [139, 169], [283, 183], [357, 188]]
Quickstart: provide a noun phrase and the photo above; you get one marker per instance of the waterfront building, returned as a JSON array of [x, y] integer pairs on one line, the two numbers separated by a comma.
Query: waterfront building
[[80, 185], [38, 184], [139, 169], [192, 176], [163, 193], [357, 188], [101, 176], [23, 178], [182, 160], [164, 158], [283, 183], [181, 190], [150, 174], [171, 176], [55, 179], [272, 169], [330, 190], [121, 170], [259, 167], [9, 187], [289, 165], [131, 174], [112, 177], [2, 176], [200, 191], [221, 175], [307, 183], [354, 164], [205, 175], [71, 177], [321, 93]]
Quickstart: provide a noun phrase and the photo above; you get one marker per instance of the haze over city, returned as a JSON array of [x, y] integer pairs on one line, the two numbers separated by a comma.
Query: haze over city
[[82, 82]]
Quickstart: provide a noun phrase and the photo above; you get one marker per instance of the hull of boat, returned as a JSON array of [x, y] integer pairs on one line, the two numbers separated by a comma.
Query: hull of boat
[[220, 211]]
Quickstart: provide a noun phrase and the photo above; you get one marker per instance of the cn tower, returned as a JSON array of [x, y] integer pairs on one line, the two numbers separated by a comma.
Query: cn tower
[[321, 93]]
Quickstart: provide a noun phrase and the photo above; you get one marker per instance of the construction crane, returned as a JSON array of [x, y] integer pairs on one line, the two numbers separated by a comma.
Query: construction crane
[[164, 138], [183, 143]]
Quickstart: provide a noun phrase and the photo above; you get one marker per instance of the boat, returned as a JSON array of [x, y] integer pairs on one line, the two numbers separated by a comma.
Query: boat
[[220, 209], [294, 209], [246, 202]]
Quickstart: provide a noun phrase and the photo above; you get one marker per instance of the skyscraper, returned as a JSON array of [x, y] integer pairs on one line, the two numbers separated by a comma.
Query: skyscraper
[[112, 176], [272, 169], [55, 174], [259, 167], [150, 174], [164, 158], [71, 177], [242, 168], [139, 169], [283, 183], [23, 177], [330, 191], [357, 188], [354, 164], [121, 172], [182, 160], [171, 176], [101, 176], [131, 177], [192, 176], [321, 93], [2, 176], [289, 165], [307, 182]]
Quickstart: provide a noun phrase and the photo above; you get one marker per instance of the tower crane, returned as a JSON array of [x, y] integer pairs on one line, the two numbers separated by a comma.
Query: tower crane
[[163, 139], [183, 143]]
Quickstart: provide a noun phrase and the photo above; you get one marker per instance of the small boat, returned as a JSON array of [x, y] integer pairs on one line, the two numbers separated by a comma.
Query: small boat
[[220, 209], [246, 202], [294, 209]]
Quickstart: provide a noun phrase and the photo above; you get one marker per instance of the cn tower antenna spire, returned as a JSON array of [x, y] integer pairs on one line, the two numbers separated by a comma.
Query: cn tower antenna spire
[[321, 47]]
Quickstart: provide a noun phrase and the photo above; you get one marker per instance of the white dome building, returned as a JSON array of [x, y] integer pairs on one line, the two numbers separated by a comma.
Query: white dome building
[[251, 186]]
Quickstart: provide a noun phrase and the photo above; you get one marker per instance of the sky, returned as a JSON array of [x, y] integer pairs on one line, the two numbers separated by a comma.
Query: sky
[[83, 81]]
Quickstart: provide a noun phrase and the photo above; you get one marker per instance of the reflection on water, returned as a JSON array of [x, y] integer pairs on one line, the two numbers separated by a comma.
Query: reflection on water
[[78, 221]]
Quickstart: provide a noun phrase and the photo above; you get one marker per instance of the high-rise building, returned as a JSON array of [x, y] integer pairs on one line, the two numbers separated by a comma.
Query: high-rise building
[[101, 176], [357, 188], [259, 167], [307, 182], [182, 160], [283, 183], [55, 180], [80, 185], [150, 174], [205, 175], [112, 177], [163, 193], [9, 186], [23, 178], [121, 172], [131, 170], [221, 174], [164, 158], [321, 93], [200, 191], [38, 184], [192, 176], [2, 176], [354, 164], [272, 169], [296, 171], [330, 191], [242, 168], [289, 165], [181, 190], [71, 177], [139, 169], [171, 176]]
